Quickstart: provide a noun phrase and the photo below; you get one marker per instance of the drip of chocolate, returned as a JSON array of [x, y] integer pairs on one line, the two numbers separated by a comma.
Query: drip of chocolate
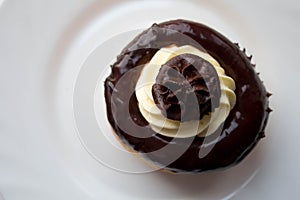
[[187, 88]]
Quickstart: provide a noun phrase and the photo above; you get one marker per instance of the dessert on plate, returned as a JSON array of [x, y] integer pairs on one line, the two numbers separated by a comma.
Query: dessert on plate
[[186, 98]]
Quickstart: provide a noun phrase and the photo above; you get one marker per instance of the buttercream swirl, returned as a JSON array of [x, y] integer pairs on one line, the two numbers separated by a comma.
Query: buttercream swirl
[[174, 128]]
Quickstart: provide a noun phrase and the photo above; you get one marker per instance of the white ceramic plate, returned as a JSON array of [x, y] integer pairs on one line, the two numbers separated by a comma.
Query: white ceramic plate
[[55, 141]]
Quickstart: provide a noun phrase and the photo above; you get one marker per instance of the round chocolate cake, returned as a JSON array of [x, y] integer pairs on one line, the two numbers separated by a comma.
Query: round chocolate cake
[[186, 98]]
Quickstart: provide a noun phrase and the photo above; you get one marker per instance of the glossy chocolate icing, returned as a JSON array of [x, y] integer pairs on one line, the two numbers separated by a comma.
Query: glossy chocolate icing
[[241, 131], [183, 83]]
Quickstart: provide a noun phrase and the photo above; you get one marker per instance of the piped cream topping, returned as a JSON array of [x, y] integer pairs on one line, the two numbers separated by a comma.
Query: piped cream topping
[[172, 128]]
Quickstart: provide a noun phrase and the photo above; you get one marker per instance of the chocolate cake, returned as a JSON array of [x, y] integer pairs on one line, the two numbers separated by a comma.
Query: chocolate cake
[[198, 77]]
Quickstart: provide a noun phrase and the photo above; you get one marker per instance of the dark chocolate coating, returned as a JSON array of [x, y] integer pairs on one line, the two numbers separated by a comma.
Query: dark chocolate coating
[[241, 131], [187, 87]]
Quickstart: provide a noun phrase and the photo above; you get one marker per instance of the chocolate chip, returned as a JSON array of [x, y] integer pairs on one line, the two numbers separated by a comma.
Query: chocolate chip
[[187, 88]]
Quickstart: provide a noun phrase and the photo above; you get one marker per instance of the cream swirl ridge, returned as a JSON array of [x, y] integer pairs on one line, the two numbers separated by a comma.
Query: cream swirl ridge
[[172, 128]]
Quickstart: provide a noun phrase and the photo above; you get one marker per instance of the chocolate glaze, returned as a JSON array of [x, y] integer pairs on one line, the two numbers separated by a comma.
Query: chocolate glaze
[[241, 131], [187, 87]]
